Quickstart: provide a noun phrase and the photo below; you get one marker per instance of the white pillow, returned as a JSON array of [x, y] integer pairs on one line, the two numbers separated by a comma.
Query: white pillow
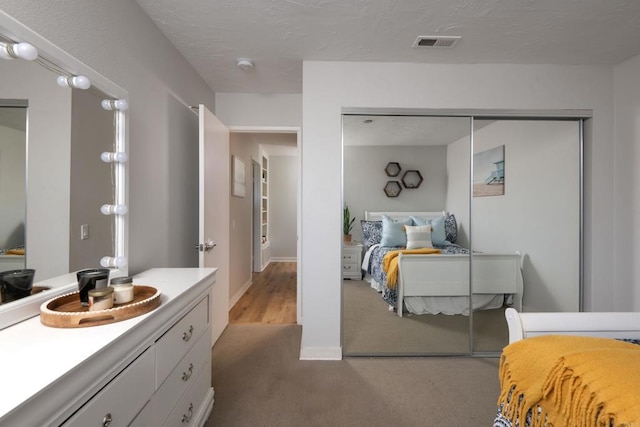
[[418, 236]]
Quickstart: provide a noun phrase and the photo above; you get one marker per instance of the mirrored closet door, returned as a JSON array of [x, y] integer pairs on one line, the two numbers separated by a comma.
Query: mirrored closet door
[[526, 210], [458, 225], [398, 183]]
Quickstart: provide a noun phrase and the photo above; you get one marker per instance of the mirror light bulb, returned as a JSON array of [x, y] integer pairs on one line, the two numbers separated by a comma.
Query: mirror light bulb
[[115, 104], [18, 50], [78, 82], [117, 157], [113, 209], [109, 261]]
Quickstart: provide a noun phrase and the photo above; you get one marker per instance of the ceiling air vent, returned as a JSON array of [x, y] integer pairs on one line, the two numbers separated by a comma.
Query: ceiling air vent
[[436, 41]]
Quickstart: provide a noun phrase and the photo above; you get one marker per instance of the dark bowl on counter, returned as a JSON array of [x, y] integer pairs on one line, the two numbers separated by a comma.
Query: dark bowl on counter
[[16, 284]]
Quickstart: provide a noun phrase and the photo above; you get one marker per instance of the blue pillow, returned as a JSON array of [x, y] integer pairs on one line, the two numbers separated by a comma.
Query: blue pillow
[[438, 234], [393, 234], [420, 221]]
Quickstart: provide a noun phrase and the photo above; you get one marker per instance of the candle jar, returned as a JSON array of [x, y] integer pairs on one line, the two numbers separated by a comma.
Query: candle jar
[[100, 299], [123, 293], [122, 290]]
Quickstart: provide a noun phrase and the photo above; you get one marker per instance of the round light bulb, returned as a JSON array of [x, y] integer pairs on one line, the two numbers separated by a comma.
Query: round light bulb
[[115, 104], [113, 209], [109, 261], [122, 104], [62, 81], [81, 82], [25, 51], [118, 157]]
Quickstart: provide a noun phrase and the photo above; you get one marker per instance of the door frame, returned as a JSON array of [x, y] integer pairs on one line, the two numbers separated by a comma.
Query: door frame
[[298, 131]]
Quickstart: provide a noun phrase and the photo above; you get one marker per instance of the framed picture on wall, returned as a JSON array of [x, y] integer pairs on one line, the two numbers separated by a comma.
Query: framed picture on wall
[[239, 178], [488, 172]]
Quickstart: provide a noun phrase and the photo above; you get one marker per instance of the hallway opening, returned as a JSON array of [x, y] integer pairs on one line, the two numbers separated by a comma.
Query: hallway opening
[[271, 299]]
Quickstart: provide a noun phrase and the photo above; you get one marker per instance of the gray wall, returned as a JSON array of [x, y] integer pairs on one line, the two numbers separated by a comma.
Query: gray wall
[[365, 178], [117, 39], [182, 125], [283, 181], [244, 147], [91, 183], [624, 282], [537, 216], [49, 164], [13, 153]]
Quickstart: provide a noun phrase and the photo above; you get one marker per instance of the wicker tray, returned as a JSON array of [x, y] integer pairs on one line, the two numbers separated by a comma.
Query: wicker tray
[[66, 311]]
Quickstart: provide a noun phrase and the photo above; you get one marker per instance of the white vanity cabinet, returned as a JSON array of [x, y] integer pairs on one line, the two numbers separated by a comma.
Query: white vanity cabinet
[[115, 405], [152, 370]]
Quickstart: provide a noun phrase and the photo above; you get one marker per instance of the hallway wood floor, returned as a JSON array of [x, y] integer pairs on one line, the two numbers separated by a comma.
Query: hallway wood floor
[[271, 299]]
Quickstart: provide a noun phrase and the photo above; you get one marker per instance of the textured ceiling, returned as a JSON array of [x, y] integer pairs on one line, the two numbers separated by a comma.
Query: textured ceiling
[[279, 34]]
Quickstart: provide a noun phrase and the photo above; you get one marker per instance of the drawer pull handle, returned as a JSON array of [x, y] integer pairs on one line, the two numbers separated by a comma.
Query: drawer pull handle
[[186, 418], [187, 375], [106, 421], [186, 336]]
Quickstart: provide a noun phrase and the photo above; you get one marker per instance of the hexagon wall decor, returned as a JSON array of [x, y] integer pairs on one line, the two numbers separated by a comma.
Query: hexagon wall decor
[[392, 189], [412, 179]]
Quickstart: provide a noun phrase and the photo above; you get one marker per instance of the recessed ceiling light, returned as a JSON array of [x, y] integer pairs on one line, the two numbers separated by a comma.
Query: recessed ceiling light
[[436, 41]]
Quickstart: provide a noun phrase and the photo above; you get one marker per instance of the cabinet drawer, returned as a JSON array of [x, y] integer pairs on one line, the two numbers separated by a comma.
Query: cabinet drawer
[[350, 257], [178, 340], [350, 268], [181, 377], [193, 398], [144, 418], [122, 398]]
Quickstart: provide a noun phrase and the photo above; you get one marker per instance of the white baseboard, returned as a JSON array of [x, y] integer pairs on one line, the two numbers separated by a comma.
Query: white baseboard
[[320, 353], [239, 294], [284, 259]]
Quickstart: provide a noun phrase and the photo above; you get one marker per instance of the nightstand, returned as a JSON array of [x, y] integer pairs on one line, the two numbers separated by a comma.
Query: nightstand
[[351, 261]]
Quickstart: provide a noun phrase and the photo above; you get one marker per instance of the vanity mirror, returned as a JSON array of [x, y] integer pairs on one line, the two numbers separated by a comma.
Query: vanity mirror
[[68, 175]]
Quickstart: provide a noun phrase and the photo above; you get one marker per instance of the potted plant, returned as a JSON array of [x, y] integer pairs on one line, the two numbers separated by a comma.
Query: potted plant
[[348, 224]]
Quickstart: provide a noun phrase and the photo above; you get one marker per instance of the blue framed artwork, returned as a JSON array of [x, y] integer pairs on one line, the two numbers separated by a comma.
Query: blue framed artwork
[[488, 172]]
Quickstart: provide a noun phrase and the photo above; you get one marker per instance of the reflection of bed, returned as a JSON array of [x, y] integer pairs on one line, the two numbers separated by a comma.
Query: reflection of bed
[[566, 367], [433, 284]]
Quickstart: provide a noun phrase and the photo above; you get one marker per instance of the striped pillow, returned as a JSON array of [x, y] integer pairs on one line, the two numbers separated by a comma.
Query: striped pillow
[[418, 236]]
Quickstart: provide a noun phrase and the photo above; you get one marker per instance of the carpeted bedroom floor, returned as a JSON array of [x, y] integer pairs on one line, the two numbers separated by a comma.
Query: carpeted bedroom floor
[[259, 381], [369, 328]]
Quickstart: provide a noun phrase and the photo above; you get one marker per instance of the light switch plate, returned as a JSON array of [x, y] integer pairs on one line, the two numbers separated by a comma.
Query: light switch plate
[[84, 231]]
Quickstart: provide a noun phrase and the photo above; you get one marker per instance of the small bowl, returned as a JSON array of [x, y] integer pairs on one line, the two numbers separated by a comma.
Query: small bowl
[[16, 284]]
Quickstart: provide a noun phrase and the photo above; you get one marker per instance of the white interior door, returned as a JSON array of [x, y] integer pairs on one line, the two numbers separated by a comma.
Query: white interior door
[[214, 189]]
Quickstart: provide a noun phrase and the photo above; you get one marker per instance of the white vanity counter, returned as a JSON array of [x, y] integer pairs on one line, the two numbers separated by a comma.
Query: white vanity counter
[[50, 373]]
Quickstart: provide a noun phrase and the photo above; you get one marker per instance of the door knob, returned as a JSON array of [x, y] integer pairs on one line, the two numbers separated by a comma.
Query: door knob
[[206, 246]]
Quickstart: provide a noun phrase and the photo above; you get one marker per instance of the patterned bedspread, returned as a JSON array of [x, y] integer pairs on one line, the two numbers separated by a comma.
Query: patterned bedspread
[[375, 267]]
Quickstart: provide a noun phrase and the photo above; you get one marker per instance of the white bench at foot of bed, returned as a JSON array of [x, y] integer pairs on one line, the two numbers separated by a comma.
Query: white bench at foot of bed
[[448, 275], [605, 325]]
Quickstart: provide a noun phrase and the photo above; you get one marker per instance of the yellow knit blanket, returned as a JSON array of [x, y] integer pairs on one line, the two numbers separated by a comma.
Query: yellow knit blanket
[[390, 263], [576, 381]]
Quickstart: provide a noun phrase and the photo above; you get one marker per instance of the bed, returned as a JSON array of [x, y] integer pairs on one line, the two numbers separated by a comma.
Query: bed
[[430, 284], [570, 369]]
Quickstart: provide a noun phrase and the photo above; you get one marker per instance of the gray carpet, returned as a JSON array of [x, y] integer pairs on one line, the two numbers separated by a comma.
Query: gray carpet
[[259, 381], [370, 328]]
